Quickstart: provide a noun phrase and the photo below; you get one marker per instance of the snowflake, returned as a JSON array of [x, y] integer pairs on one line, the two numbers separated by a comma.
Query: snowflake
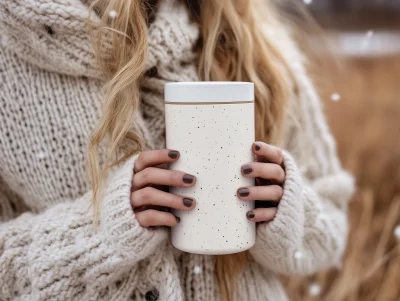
[[397, 232], [367, 40], [370, 33], [41, 155], [298, 255], [314, 289], [308, 2], [197, 270], [112, 14], [335, 97]]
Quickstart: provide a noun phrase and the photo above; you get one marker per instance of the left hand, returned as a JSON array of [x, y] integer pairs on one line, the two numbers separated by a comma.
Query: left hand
[[269, 176]]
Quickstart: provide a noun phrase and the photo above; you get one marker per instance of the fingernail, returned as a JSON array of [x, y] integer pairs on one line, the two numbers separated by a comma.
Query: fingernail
[[257, 146], [173, 154], [187, 202], [188, 178], [250, 214], [244, 192], [247, 169], [178, 219]]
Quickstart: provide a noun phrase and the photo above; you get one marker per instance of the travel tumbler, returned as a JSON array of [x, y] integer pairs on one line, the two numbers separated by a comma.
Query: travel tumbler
[[211, 124]]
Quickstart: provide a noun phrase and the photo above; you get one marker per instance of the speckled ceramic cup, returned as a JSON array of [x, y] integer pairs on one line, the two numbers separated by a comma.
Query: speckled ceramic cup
[[212, 125]]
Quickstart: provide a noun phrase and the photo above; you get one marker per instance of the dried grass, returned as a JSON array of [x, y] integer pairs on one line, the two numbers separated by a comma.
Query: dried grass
[[366, 125]]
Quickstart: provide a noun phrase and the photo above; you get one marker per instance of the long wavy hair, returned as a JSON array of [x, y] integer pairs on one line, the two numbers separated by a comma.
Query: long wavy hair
[[233, 47]]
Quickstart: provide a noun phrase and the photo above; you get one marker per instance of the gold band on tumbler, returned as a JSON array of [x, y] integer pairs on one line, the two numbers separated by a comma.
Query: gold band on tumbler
[[207, 103]]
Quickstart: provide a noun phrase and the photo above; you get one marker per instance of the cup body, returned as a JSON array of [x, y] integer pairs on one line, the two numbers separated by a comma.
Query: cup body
[[212, 125]]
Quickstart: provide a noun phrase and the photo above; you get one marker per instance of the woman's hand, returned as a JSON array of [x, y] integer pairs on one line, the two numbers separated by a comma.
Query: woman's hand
[[151, 204], [269, 176]]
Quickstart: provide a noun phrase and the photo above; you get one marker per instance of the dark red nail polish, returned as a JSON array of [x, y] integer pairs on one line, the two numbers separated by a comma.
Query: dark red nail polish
[[173, 154], [188, 178], [187, 202], [247, 169], [250, 214], [244, 192], [257, 146]]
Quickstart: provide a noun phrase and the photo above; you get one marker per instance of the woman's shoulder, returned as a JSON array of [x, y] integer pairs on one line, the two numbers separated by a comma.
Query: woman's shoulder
[[52, 35]]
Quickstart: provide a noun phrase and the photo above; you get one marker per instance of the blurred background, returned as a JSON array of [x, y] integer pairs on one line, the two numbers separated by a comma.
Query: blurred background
[[362, 103]]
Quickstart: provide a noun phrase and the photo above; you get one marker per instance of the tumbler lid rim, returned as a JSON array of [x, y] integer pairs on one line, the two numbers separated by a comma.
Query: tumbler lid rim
[[205, 92]]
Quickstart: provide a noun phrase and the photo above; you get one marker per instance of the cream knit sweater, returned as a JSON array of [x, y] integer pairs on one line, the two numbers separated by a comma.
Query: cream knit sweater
[[50, 93]]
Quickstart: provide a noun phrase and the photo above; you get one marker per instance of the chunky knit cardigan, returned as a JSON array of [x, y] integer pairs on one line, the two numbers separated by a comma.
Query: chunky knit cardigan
[[50, 93]]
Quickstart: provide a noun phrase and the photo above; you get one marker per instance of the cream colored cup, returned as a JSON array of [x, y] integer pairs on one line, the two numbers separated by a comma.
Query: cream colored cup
[[212, 125]]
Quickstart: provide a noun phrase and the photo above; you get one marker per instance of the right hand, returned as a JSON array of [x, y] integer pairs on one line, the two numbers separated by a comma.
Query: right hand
[[147, 201]]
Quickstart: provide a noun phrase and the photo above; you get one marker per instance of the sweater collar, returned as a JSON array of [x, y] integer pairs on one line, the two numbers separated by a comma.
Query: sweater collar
[[53, 34]]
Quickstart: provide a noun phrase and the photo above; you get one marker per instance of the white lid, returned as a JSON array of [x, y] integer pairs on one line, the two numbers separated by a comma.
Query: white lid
[[209, 92]]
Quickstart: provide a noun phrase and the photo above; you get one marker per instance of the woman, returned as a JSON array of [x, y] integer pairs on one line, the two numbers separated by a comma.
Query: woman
[[51, 95]]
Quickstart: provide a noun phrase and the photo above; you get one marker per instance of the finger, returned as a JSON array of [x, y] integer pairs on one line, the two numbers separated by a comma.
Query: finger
[[155, 157], [153, 175], [268, 171], [152, 217], [267, 193], [152, 196], [269, 152], [142, 208], [261, 214]]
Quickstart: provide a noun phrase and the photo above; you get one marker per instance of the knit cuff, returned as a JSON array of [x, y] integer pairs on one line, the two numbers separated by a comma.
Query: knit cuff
[[278, 240], [118, 221], [309, 230], [288, 224]]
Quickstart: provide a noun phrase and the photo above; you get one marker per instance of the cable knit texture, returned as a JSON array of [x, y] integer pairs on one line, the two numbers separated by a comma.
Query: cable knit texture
[[51, 97]]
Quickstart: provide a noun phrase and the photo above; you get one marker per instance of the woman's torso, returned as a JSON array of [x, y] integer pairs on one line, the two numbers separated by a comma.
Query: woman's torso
[[51, 97]]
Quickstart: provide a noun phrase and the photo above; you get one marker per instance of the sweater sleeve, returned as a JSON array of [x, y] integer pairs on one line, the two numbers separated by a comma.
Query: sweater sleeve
[[309, 231], [61, 255]]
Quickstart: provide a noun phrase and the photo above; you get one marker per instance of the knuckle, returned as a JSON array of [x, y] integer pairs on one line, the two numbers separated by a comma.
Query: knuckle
[[175, 176], [140, 159], [278, 172], [148, 218], [145, 174], [281, 173], [145, 194], [142, 156], [273, 212], [278, 191], [140, 218], [170, 199], [134, 199], [279, 154]]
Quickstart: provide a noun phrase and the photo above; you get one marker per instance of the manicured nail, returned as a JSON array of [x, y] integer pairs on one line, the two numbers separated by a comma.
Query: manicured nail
[[178, 219], [244, 192], [187, 202], [173, 154], [247, 169], [250, 214], [257, 146], [188, 178]]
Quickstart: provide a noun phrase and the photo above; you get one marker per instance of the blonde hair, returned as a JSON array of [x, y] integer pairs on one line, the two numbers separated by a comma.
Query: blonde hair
[[233, 47]]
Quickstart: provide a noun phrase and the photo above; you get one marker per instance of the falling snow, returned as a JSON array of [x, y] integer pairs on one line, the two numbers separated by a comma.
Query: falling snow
[[370, 33], [397, 232], [298, 255], [367, 39], [308, 2], [314, 289], [197, 270], [42, 155], [112, 14], [335, 97], [322, 216]]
